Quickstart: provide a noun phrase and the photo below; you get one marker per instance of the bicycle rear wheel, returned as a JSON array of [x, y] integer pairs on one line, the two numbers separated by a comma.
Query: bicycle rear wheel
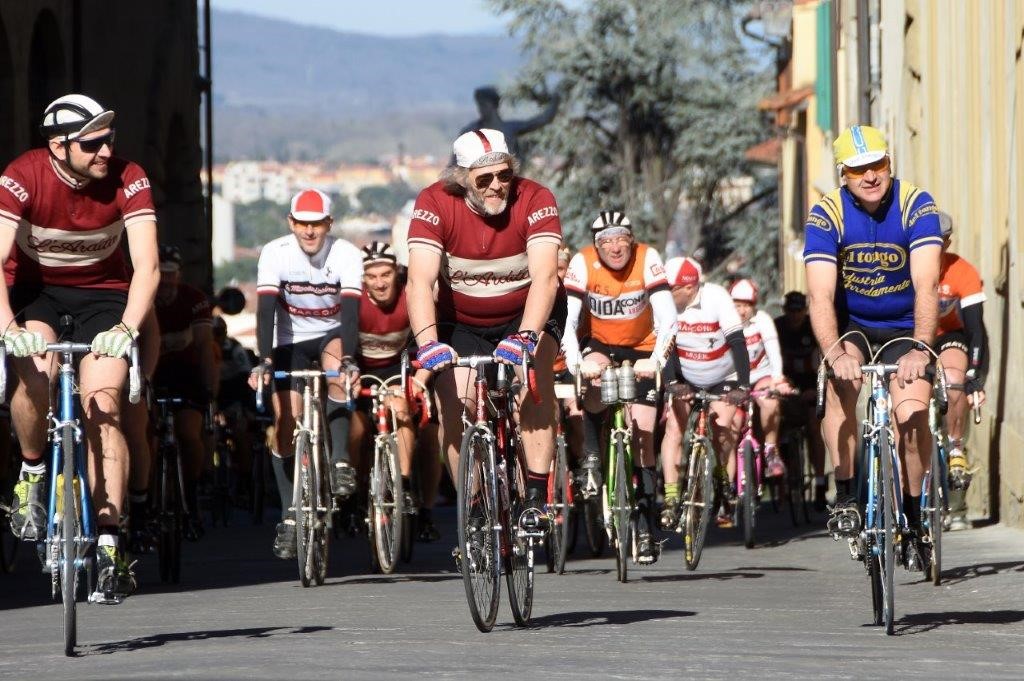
[[520, 552], [622, 510], [593, 525], [304, 501], [69, 531], [322, 506], [749, 496], [561, 506], [386, 503], [479, 551], [887, 554], [698, 500], [795, 498], [935, 509], [169, 506]]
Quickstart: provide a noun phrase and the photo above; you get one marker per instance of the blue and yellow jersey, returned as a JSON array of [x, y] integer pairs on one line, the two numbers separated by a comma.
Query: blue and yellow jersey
[[872, 251]]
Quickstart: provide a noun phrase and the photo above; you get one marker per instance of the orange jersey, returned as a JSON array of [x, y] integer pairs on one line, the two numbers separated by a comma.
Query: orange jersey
[[959, 287], [618, 302]]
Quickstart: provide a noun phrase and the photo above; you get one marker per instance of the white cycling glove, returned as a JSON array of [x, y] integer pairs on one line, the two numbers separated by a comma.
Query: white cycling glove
[[115, 342], [24, 343]]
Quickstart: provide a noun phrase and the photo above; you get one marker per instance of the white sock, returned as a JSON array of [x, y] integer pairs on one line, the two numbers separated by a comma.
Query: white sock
[[107, 540], [36, 468]]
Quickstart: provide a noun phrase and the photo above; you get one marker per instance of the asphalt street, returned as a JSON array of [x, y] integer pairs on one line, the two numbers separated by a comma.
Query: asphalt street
[[795, 606]]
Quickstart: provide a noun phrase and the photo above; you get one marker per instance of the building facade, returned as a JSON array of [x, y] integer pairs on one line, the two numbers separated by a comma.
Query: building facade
[[944, 79]]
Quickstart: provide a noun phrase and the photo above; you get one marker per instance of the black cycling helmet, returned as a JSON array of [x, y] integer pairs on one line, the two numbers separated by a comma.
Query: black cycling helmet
[[609, 223], [72, 116], [170, 258], [377, 252]]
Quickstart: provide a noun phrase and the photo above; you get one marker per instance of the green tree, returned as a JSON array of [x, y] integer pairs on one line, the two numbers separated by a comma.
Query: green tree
[[384, 199], [658, 106], [258, 222]]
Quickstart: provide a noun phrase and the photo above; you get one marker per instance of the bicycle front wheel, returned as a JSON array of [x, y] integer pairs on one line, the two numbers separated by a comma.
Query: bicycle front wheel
[[479, 551], [749, 497], [889, 512], [169, 505], [69, 530], [622, 511], [698, 500], [935, 510], [561, 506], [518, 549], [388, 514], [304, 501]]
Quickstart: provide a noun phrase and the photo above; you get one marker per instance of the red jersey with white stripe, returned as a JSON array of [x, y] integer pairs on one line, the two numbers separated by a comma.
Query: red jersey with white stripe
[[177, 319], [484, 274], [308, 288], [959, 287], [700, 340], [760, 333], [618, 301], [383, 332], [68, 233]]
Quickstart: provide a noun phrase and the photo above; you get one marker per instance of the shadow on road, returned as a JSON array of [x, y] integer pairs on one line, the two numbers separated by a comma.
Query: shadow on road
[[921, 622], [589, 618], [962, 574], [394, 579], [696, 576], [143, 642]]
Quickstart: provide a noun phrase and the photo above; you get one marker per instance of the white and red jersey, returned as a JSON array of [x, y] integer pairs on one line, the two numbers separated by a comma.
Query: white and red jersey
[[308, 288], [763, 347], [700, 339], [67, 233], [484, 274], [383, 332], [618, 301]]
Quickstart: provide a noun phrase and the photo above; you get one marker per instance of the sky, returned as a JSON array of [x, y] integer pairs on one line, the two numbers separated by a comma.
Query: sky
[[390, 18]]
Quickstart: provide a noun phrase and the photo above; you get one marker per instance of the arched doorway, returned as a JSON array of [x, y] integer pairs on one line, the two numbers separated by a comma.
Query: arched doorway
[[47, 71], [7, 150]]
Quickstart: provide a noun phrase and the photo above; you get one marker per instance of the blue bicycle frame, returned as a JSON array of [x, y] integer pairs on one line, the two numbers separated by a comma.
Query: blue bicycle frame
[[878, 424]]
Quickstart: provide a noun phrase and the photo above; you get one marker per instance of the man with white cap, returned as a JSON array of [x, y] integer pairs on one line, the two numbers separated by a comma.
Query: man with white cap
[[308, 284], [489, 240], [872, 257], [63, 212], [712, 354]]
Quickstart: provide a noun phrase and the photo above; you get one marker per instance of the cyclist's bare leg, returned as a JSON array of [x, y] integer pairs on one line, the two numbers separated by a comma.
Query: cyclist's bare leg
[[913, 438], [405, 435], [30, 401], [537, 420], [724, 426], [572, 421], [643, 417], [954, 362], [135, 425], [287, 409], [839, 425], [359, 437], [101, 380], [815, 441], [677, 413], [428, 461], [454, 390], [768, 408]]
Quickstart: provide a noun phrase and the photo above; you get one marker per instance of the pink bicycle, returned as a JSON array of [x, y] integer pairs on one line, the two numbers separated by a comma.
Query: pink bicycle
[[750, 465]]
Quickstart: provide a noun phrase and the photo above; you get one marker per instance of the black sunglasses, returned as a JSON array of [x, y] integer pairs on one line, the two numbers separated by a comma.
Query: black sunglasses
[[484, 181], [96, 143]]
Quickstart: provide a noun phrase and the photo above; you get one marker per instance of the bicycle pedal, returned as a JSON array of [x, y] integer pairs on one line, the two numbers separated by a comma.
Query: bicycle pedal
[[856, 548], [106, 598]]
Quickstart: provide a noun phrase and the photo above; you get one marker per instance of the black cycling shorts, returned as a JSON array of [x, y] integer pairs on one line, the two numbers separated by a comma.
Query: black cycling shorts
[[92, 311], [299, 357], [952, 340], [482, 340], [877, 338]]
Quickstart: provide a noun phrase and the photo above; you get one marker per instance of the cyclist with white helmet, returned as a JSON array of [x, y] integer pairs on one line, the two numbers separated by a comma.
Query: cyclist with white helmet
[[63, 212], [309, 287], [632, 317], [765, 367], [712, 353]]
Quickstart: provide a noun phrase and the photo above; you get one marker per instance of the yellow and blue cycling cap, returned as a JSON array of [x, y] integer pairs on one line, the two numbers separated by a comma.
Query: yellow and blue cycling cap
[[859, 145]]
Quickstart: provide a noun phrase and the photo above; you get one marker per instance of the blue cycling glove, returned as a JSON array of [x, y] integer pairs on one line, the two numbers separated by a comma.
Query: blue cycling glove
[[433, 355], [512, 348]]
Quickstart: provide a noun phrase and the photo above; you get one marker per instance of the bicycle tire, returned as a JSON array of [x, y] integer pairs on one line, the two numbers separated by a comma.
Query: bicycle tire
[[69, 529], [386, 504], [794, 476], [887, 505], [936, 510], [171, 517], [622, 511], [321, 534], [562, 505], [698, 498], [519, 557], [875, 582], [303, 501], [593, 525], [749, 497], [480, 564]]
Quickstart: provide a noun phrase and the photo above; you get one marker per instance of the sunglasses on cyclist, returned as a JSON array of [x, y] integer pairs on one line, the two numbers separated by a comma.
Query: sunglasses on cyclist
[[91, 146], [484, 181], [878, 166]]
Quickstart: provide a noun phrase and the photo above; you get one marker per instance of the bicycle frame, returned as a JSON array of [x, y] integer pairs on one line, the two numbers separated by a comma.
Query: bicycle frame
[[618, 426], [876, 424], [747, 436]]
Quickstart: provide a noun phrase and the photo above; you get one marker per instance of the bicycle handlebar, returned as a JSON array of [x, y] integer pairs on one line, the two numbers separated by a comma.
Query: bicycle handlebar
[[299, 373], [134, 368], [882, 371]]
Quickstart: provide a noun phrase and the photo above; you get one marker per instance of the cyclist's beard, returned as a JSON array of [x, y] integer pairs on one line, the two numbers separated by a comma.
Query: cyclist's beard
[[475, 199]]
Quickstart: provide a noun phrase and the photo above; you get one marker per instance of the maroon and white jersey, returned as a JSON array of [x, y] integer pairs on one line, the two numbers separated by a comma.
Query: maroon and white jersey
[[68, 233], [763, 347], [383, 332], [484, 273], [700, 339], [308, 288], [177, 319]]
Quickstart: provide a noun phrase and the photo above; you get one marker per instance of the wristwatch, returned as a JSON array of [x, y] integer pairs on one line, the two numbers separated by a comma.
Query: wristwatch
[[923, 347]]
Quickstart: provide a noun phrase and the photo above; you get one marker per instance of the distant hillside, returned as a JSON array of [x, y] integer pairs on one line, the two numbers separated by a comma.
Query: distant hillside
[[292, 91]]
